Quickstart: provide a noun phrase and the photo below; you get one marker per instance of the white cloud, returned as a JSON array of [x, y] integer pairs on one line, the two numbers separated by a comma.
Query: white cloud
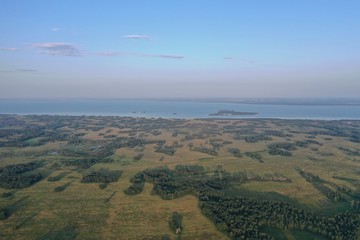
[[26, 70], [163, 56], [58, 48], [144, 37], [9, 49], [113, 53], [229, 58], [118, 53], [19, 70], [234, 59]]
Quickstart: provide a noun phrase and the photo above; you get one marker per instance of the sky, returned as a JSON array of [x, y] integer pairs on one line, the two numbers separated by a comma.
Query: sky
[[182, 49]]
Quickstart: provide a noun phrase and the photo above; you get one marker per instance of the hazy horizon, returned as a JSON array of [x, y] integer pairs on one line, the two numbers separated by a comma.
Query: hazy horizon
[[185, 49]]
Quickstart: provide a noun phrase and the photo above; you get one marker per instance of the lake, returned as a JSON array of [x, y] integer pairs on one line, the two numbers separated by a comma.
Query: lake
[[173, 109]]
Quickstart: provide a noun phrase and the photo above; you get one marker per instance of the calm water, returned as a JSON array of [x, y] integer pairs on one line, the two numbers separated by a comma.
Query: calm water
[[139, 108]]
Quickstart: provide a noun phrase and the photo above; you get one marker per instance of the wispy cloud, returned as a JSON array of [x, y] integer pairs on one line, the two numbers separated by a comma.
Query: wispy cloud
[[229, 58], [113, 53], [9, 49], [58, 48], [55, 29], [119, 53], [19, 70], [234, 59], [163, 56], [135, 36], [26, 70]]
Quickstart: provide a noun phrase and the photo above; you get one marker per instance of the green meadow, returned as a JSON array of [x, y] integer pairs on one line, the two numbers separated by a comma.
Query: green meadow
[[66, 177]]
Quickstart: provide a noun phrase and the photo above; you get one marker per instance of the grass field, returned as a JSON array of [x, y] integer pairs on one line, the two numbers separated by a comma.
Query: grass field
[[84, 211]]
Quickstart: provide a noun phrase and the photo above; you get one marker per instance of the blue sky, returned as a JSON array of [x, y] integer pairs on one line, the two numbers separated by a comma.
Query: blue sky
[[117, 49]]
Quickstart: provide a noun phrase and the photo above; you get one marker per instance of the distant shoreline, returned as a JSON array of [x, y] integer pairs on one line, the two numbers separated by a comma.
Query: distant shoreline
[[232, 113], [184, 109], [218, 118], [269, 101]]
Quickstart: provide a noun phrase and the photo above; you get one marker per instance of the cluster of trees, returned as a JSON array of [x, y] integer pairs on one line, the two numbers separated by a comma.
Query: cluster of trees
[[276, 133], [102, 176], [82, 163], [188, 170], [162, 173], [355, 204], [20, 168], [203, 149], [103, 185], [18, 137], [106, 149], [254, 155], [57, 177], [306, 143], [342, 128], [302, 144], [281, 148], [169, 150], [276, 151], [101, 153], [19, 175], [241, 177], [283, 145], [250, 134], [176, 223], [355, 138], [26, 130], [239, 132], [7, 194], [130, 142], [195, 136], [62, 187], [10, 121], [138, 156], [216, 143], [19, 181], [257, 138], [268, 178], [350, 152], [235, 152], [310, 141], [320, 185], [4, 213], [176, 144], [241, 217], [169, 183], [156, 132], [138, 183], [110, 136], [7, 211], [185, 178]]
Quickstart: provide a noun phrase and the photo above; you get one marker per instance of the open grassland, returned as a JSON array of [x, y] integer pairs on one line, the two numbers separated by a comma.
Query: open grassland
[[68, 148]]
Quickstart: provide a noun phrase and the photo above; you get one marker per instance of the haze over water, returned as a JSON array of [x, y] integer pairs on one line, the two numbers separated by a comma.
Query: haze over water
[[174, 109]]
